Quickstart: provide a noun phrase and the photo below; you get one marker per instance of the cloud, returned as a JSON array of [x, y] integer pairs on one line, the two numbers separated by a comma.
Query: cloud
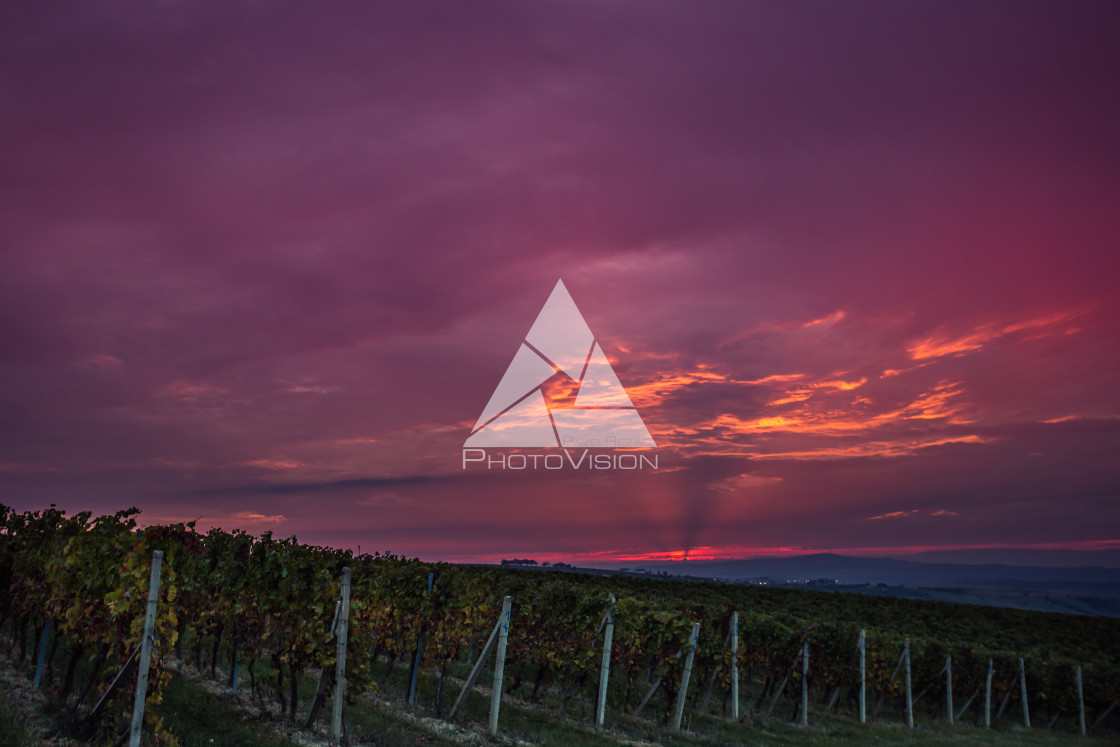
[[911, 513], [866, 449], [848, 416], [286, 253], [327, 485], [942, 343], [231, 520], [744, 482], [386, 499], [276, 464], [833, 318]]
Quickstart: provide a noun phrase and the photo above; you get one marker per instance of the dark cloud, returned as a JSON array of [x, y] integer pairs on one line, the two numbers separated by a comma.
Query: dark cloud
[[266, 255]]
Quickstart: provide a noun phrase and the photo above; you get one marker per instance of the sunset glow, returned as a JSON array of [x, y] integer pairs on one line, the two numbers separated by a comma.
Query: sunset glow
[[854, 265]]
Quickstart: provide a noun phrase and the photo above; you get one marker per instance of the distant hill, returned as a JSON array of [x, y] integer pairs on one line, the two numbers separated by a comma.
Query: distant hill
[[845, 569], [1016, 556], [1085, 590]]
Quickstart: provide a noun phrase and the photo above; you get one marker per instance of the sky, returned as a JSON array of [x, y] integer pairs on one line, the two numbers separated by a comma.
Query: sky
[[262, 266]]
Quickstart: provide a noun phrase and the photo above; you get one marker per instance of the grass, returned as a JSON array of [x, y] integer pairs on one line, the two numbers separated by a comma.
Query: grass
[[204, 714], [544, 724], [13, 732], [202, 719]]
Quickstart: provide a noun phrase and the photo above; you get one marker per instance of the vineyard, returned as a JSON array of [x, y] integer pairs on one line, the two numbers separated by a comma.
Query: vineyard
[[267, 616]]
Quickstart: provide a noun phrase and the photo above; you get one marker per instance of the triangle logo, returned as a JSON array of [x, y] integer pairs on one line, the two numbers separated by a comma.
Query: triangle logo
[[520, 414]]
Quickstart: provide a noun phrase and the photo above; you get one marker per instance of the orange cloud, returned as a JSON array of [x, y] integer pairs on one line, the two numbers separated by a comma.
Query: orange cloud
[[896, 448], [653, 392], [832, 318], [936, 404], [234, 520], [776, 378], [893, 515], [1068, 418], [744, 481], [912, 512], [276, 464], [802, 393], [941, 343]]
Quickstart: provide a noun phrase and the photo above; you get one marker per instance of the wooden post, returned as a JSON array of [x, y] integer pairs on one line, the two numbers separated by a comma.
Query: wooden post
[[805, 685], [653, 688], [320, 696], [1080, 702], [949, 686], [46, 636], [967, 703], [340, 665], [782, 686], [146, 651], [649, 696], [703, 707], [1023, 693], [909, 696], [988, 697], [1104, 715], [894, 676], [1006, 698], [416, 658], [499, 666], [477, 670], [735, 665], [863, 676], [106, 696], [682, 693], [605, 668]]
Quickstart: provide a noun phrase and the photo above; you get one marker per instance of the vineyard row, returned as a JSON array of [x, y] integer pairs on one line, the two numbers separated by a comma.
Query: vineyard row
[[628, 647]]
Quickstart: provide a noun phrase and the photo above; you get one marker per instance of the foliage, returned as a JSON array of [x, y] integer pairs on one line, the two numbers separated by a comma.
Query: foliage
[[273, 601]]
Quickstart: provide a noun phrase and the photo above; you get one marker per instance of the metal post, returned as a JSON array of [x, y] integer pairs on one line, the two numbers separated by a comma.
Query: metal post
[[909, 694], [146, 651], [682, 693], [46, 636], [735, 665], [477, 670], [1023, 693], [988, 697], [419, 645], [1080, 702], [605, 669], [949, 686], [805, 685], [499, 666], [863, 676], [340, 664]]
